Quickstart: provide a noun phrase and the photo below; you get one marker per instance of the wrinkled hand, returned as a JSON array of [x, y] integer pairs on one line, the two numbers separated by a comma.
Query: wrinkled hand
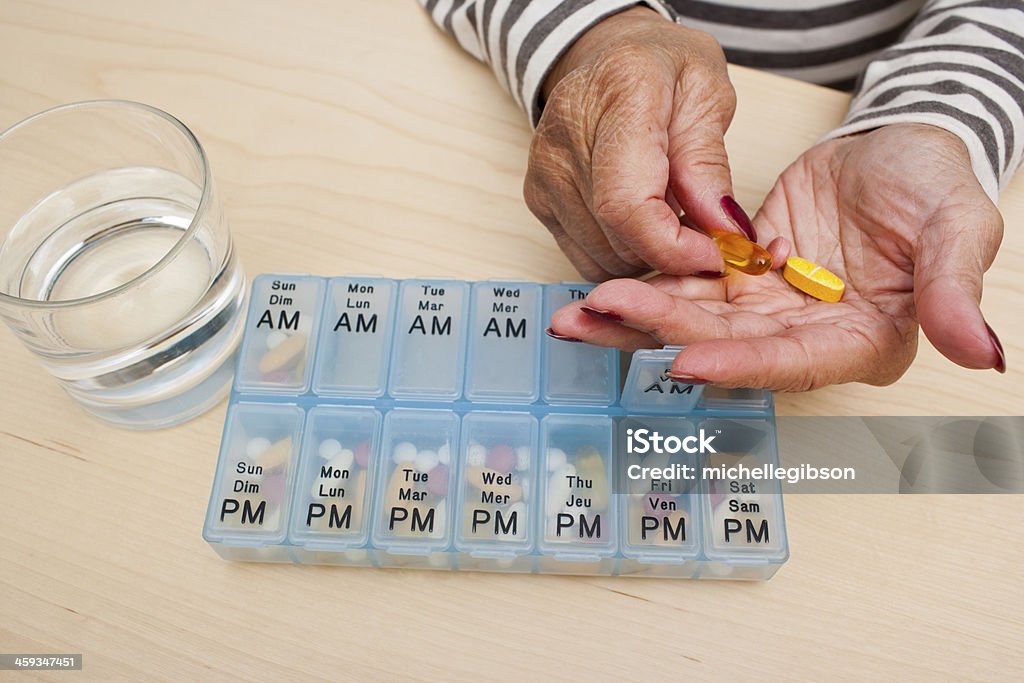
[[632, 130], [896, 213]]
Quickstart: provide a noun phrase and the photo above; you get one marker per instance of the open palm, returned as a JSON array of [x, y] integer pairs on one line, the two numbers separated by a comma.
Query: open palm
[[896, 213]]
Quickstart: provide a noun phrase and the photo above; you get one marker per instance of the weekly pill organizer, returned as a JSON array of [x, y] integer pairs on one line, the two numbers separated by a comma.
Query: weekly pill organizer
[[432, 423]]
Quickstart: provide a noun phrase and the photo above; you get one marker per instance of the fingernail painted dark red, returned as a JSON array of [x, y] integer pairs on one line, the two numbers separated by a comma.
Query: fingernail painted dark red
[[685, 379], [739, 217], [1001, 363], [602, 315], [561, 337]]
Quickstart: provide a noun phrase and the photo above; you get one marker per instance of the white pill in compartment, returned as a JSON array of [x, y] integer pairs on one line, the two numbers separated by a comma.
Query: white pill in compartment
[[275, 339], [404, 452], [476, 455], [256, 447], [556, 459], [343, 460], [426, 460], [523, 458], [329, 448]]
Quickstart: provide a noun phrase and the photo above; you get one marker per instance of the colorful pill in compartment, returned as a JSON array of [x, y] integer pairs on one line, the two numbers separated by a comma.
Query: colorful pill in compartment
[[330, 520], [428, 359], [659, 520], [574, 373], [355, 337], [495, 491], [744, 526], [578, 521], [281, 327], [248, 510], [505, 331], [412, 510]]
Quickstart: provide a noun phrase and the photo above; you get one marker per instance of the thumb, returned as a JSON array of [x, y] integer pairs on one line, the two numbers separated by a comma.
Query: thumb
[[950, 260], [699, 175]]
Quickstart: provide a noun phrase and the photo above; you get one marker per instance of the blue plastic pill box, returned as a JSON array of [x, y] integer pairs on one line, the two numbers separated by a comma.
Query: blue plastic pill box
[[432, 423]]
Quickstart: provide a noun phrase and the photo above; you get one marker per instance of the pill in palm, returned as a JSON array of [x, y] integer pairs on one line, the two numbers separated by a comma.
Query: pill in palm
[[741, 254], [813, 280]]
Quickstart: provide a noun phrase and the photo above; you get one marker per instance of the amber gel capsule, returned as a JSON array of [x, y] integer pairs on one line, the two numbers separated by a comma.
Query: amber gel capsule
[[740, 253]]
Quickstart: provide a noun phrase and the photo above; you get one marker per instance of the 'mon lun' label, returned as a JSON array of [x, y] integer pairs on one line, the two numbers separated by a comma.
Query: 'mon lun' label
[[361, 310], [331, 507]]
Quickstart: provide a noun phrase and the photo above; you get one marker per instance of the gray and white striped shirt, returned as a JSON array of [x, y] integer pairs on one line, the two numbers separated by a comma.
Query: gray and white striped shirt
[[955, 64]]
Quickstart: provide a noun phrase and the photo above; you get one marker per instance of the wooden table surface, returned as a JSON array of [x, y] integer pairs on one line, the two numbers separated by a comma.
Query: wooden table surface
[[352, 137]]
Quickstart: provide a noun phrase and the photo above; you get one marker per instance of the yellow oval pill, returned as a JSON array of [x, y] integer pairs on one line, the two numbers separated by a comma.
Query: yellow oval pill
[[812, 279]]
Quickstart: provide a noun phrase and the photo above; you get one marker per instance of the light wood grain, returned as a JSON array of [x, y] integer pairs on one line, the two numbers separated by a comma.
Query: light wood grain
[[352, 137]]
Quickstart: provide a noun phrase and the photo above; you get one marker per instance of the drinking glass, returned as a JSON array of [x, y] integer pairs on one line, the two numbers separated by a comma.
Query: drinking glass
[[116, 266]]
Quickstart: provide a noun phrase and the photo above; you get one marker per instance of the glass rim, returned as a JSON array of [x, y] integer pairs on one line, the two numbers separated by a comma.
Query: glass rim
[[188, 234]]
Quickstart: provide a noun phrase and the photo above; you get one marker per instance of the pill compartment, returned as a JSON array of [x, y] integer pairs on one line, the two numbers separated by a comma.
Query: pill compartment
[[503, 362], [659, 513], [648, 388], [744, 524], [280, 333], [429, 356], [495, 491], [412, 511], [577, 525], [355, 337], [330, 516], [248, 512], [576, 373]]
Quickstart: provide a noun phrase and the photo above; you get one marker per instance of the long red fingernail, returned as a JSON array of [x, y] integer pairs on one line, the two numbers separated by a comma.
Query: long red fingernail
[[710, 274], [561, 337], [602, 315], [739, 217], [1001, 363], [684, 378]]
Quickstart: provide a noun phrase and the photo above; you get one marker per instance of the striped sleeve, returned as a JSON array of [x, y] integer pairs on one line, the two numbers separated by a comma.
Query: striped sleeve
[[960, 67], [522, 40]]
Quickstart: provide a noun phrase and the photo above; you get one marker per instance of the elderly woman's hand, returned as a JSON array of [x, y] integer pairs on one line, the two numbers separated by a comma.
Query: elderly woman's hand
[[632, 130], [897, 213]]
